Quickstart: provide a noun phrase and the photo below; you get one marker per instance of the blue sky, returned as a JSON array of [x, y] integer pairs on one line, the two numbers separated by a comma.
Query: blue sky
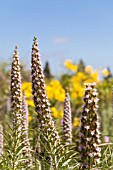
[[66, 29]]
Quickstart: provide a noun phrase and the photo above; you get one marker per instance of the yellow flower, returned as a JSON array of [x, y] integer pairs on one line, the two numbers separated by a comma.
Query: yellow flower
[[95, 76], [89, 69], [81, 75], [106, 72], [69, 65], [27, 88], [30, 118], [30, 103], [81, 92], [77, 85], [55, 91], [56, 113], [76, 122]]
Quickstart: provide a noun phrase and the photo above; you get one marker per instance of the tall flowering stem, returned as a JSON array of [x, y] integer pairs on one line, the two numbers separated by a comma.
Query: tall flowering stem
[[67, 120], [1, 139], [25, 139], [42, 105], [16, 94], [89, 131]]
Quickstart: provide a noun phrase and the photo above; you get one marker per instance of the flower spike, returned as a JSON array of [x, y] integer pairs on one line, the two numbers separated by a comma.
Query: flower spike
[[89, 130]]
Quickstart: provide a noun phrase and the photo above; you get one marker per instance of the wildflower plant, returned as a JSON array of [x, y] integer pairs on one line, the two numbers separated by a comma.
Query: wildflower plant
[[42, 106], [89, 130], [12, 157], [47, 150], [16, 94], [67, 120]]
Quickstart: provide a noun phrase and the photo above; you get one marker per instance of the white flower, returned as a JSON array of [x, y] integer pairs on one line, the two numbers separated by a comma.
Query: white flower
[[94, 109], [43, 105], [94, 144], [87, 110], [98, 149], [98, 124], [92, 132], [87, 127], [94, 153], [84, 117], [98, 140], [87, 96], [96, 100], [88, 139], [89, 101], [93, 84], [90, 154], [88, 88], [94, 93], [97, 130]]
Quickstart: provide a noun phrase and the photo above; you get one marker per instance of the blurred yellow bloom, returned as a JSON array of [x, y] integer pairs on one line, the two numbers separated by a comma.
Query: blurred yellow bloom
[[27, 88], [74, 95], [69, 65], [81, 92], [55, 91], [81, 75], [78, 80], [30, 103], [89, 69], [76, 122], [77, 85], [30, 118], [95, 76], [75, 79], [56, 113], [105, 72]]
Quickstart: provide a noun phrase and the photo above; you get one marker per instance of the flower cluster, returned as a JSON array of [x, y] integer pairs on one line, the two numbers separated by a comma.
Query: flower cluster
[[89, 129], [42, 105], [57, 113], [106, 72], [16, 94], [69, 65], [67, 120], [55, 91], [77, 83], [76, 122], [89, 69], [27, 88]]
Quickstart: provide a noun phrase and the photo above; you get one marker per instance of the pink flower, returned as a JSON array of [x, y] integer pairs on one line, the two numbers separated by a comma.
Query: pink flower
[[96, 100], [87, 110], [87, 127], [106, 139]]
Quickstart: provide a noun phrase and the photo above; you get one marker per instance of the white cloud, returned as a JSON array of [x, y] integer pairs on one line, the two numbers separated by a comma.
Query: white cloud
[[60, 40]]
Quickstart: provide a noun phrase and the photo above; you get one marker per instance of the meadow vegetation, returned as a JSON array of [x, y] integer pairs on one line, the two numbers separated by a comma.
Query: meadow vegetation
[[49, 123]]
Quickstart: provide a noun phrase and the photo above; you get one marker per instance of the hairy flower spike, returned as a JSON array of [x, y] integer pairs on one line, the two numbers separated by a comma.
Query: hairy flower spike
[[16, 94], [67, 120], [42, 105], [89, 130], [26, 145]]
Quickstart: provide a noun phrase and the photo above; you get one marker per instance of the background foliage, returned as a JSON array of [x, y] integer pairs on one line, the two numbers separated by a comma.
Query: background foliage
[[72, 80]]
